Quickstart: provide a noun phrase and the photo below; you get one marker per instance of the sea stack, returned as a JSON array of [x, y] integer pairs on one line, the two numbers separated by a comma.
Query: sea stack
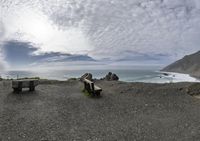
[[111, 77]]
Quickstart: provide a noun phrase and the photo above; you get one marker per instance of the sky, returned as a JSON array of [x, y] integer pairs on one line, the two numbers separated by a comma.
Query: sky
[[97, 33]]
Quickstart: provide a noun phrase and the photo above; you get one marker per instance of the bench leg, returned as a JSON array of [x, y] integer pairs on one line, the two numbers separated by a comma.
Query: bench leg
[[31, 86], [17, 90], [85, 86], [98, 93], [32, 89], [93, 94]]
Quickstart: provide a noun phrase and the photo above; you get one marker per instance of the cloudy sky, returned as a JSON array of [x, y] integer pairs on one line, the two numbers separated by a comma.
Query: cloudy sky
[[42, 32]]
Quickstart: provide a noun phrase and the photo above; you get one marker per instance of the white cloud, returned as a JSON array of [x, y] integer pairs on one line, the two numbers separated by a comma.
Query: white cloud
[[30, 25], [104, 28], [147, 26], [3, 64]]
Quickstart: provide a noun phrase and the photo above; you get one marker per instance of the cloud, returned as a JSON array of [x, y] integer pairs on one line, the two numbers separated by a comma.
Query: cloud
[[21, 54], [27, 23], [150, 27], [147, 26], [106, 28], [2, 32], [129, 55], [3, 63]]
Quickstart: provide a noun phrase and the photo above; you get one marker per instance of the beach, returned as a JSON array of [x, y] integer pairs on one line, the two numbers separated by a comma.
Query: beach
[[59, 110]]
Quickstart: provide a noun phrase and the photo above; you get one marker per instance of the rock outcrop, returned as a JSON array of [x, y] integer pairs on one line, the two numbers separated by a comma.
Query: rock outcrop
[[190, 64], [111, 77]]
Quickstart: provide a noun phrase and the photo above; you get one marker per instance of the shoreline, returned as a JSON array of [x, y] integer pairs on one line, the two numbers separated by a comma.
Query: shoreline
[[184, 77], [150, 77]]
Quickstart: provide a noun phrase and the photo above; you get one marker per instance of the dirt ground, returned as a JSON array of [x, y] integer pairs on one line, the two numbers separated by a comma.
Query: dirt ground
[[125, 112]]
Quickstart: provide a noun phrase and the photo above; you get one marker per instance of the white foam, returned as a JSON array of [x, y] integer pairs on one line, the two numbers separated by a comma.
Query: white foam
[[178, 77]]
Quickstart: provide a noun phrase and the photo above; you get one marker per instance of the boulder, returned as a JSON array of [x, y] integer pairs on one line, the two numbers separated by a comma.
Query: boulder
[[108, 76], [87, 76], [114, 77], [111, 77]]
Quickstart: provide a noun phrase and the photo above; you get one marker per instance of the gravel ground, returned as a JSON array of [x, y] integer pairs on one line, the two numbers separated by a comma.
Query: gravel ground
[[59, 111]]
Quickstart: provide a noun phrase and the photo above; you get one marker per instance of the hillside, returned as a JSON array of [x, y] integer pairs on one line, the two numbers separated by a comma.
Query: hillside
[[190, 64]]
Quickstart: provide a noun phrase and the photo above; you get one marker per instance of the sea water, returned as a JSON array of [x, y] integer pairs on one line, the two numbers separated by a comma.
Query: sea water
[[147, 76]]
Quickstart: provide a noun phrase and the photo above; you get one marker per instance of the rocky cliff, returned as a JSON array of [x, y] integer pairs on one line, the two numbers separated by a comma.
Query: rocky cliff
[[190, 64]]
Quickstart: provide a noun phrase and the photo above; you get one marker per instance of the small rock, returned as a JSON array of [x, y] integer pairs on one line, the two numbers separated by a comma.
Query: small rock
[[180, 89], [194, 89]]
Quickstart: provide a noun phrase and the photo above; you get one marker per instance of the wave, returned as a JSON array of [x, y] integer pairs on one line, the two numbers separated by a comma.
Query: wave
[[178, 77]]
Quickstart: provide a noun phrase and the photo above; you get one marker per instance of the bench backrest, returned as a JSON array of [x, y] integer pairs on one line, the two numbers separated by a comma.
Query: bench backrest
[[24, 83], [89, 85]]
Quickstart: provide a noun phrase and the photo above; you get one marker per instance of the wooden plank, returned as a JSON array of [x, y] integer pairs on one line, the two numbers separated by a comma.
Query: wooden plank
[[25, 83], [88, 81], [96, 88], [24, 80]]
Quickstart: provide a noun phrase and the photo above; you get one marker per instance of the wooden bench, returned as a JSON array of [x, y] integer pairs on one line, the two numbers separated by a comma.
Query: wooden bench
[[91, 88], [17, 85]]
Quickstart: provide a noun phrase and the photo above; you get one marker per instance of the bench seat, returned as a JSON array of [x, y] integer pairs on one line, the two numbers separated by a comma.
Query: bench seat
[[96, 88]]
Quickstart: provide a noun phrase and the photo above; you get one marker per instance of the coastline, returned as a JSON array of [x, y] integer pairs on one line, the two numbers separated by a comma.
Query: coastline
[[180, 77], [146, 76]]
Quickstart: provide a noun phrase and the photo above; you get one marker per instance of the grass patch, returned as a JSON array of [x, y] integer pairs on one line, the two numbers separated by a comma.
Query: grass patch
[[86, 93]]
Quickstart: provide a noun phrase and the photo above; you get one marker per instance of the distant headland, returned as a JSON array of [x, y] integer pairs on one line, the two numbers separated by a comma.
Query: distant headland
[[189, 64]]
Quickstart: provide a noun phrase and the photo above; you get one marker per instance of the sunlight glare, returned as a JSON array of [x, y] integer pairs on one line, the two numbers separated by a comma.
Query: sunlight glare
[[36, 28]]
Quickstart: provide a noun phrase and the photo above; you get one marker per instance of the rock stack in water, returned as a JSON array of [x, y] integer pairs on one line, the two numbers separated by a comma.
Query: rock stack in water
[[111, 77]]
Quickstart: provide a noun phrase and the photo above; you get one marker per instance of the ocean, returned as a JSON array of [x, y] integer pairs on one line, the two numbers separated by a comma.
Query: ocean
[[147, 76]]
